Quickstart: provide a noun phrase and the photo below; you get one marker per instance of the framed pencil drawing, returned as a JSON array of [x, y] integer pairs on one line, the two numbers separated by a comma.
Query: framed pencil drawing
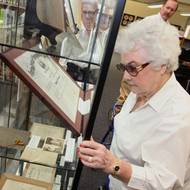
[[46, 78]]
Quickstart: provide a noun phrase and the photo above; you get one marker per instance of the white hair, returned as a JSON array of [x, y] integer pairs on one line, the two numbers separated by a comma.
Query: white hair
[[94, 2], [160, 40]]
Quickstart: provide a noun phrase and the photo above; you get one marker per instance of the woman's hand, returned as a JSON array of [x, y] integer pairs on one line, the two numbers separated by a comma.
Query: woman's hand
[[96, 155]]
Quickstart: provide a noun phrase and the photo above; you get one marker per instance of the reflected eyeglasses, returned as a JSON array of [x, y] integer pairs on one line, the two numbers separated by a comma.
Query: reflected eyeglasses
[[89, 13], [131, 69]]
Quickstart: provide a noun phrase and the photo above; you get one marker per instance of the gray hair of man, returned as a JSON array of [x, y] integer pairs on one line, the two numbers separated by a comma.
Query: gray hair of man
[[159, 40], [94, 2]]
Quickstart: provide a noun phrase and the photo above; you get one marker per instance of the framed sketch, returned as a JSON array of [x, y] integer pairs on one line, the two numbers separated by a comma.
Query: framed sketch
[[46, 78], [127, 18], [8, 181], [53, 145]]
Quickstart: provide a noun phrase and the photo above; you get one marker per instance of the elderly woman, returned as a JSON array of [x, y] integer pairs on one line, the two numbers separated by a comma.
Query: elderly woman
[[151, 144]]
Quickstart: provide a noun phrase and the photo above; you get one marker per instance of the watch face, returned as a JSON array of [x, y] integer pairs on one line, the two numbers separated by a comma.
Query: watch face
[[117, 168]]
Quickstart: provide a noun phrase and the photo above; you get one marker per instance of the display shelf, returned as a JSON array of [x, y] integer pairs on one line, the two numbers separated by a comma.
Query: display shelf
[[27, 148]]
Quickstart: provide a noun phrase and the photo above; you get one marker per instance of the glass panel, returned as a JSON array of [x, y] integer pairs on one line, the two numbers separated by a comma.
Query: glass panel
[[51, 56], [73, 30], [26, 24]]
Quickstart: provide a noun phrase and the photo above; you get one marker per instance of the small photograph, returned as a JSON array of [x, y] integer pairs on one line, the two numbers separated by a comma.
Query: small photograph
[[54, 145], [127, 18]]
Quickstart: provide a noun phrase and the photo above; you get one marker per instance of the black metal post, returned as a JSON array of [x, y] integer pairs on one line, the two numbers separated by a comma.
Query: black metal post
[[102, 78]]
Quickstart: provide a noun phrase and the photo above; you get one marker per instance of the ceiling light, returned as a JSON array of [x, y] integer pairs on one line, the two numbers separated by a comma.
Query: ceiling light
[[154, 6], [185, 14]]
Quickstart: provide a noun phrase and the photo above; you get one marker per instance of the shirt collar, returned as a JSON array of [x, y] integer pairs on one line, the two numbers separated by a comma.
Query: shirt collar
[[158, 100], [162, 18]]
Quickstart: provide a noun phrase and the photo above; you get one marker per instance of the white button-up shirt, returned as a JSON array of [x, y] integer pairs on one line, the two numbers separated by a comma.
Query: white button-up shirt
[[156, 17], [155, 139]]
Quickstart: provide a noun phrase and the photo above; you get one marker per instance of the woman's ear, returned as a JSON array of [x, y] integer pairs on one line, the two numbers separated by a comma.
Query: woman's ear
[[163, 69]]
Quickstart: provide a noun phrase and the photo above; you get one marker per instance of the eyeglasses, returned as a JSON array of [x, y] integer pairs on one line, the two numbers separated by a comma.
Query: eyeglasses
[[91, 14], [132, 70]]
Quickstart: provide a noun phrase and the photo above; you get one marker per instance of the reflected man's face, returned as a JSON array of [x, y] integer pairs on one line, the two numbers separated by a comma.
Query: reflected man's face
[[89, 12], [105, 21]]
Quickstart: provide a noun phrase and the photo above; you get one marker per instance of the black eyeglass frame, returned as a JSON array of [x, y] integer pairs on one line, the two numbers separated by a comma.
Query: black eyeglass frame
[[132, 70]]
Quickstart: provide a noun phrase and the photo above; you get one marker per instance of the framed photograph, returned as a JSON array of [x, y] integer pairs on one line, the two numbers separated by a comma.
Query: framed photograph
[[54, 145], [127, 18], [8, 181], [46, 78]]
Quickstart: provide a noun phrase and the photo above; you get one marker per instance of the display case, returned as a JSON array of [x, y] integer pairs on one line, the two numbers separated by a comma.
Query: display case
[[54, 60]]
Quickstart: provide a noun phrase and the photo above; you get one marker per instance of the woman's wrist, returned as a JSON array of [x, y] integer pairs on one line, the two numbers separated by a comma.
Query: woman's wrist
[[120, 169], [116, 168], [112, 165]]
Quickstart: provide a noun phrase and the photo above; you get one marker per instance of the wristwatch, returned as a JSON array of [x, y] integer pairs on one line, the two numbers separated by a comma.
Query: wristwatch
[[116, 168]]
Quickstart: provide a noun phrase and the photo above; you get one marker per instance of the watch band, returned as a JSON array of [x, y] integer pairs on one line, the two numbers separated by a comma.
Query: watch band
[[116, 168]]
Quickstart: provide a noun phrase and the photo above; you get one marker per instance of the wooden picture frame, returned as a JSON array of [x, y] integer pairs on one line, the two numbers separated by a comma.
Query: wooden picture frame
[[46, 78], [8, 181]]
